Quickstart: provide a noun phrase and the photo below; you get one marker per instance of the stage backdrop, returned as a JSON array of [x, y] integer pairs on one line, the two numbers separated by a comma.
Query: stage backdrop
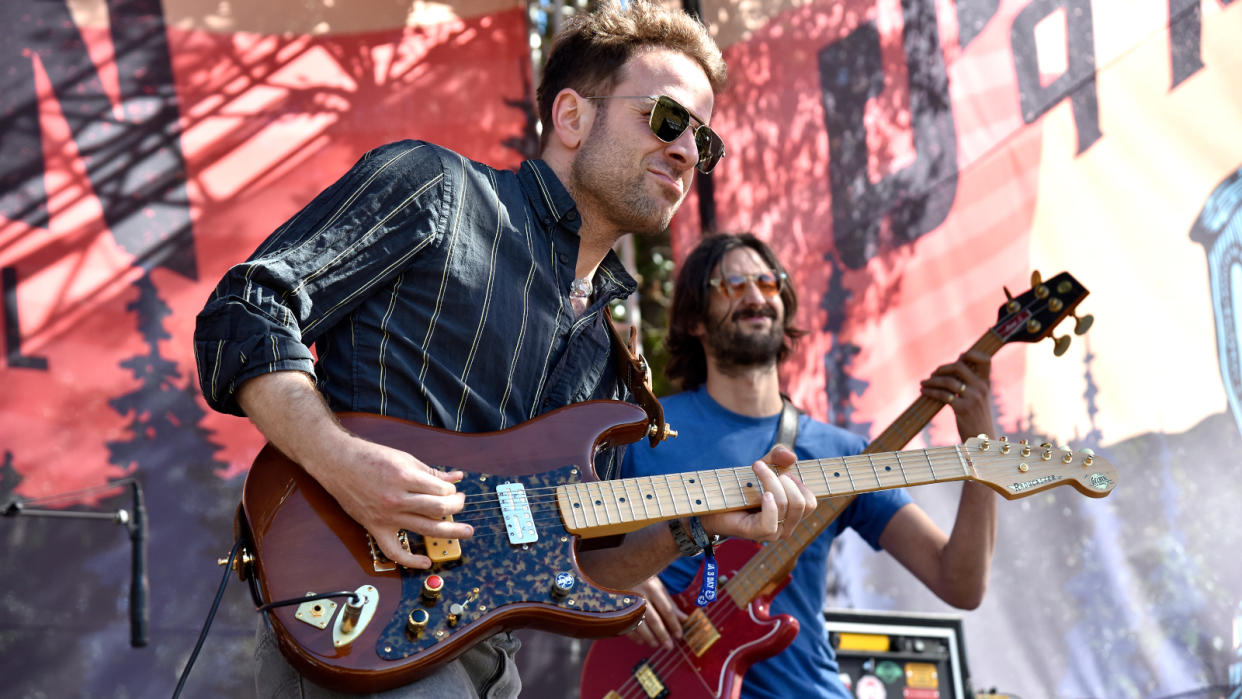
[[144, 148], [909, 158]]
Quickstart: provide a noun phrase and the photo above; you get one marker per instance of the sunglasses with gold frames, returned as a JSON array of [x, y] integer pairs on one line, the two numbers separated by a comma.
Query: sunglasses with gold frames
[[669, 120]]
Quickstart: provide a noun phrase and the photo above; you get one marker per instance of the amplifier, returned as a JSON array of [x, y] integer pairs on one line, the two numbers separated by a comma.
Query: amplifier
[[896, 655]]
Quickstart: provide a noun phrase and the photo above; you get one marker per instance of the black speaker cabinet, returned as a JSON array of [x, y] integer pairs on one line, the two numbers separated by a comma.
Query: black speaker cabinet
[[896, 655]]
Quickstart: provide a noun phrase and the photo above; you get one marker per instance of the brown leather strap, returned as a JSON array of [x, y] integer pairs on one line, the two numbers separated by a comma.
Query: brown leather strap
[[787, 426], [636, 374]]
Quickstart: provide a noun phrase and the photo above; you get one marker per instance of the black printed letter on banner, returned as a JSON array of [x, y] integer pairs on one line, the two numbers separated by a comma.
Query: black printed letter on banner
[[918, 197], [1078, 82]]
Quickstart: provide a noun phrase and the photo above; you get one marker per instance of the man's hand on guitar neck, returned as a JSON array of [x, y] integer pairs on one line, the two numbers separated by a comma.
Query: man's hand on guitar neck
[[383, 489]]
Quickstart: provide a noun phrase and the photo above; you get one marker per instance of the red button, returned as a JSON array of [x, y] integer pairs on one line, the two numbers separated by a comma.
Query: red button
[[433, 583]]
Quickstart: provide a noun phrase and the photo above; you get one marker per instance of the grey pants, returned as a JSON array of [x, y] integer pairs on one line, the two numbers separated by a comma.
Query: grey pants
[[486, 671]]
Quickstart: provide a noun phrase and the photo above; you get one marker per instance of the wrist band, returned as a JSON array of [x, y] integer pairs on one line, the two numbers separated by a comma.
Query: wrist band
[[685, 544], [707, 589]]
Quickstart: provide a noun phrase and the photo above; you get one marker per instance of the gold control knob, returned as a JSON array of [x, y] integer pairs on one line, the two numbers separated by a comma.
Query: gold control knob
[[416, 622], [432, 587]]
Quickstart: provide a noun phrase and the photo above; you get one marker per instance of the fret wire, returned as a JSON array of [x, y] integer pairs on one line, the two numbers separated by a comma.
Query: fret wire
[[927, 455], [849, 473], [874, 472], [724, 497], [741, 490], [577, 511], [703, 488], [658, 500], [629, 498], [588, 508], [961, 458], [823, 474], [904, 476], [642, 499]]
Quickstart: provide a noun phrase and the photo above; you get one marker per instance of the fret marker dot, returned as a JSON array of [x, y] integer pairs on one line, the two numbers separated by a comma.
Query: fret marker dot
[[622, 499], [888, 468], [698, 502], [597, 502], [577, 505], [836, 474], [648, 496]]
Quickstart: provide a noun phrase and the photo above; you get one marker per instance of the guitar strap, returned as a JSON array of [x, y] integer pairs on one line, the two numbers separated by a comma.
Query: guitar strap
[[633, 370], [787, 426]]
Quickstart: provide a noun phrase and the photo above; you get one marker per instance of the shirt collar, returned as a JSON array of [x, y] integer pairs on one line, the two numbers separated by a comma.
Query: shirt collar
[[554, 207], [547, 196]]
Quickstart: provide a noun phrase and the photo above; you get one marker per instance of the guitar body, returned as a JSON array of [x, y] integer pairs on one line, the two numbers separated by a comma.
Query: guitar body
[[303, 543], [747, 635]]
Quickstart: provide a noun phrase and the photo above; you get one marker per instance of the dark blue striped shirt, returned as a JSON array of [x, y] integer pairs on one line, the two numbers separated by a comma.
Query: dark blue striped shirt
[[434, 288]]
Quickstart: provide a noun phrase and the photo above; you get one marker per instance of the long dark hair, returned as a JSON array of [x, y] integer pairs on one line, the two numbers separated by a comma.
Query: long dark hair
[[687, 364]]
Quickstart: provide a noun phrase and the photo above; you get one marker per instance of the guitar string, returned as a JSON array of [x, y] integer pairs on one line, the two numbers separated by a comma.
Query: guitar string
[[545, 498], [484, 513]]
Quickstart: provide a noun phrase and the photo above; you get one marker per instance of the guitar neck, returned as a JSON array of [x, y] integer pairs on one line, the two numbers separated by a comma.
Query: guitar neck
[[774, 561], [602, 508]]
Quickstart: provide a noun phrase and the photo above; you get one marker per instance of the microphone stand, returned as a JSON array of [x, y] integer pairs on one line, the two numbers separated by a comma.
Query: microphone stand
[[136, 526]]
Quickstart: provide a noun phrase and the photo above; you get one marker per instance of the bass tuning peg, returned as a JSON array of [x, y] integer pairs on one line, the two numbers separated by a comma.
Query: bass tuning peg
[[1060, 345], [1083, 324]]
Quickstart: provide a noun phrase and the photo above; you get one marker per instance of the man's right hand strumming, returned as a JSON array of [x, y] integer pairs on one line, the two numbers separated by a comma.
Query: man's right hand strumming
[[383, 489]]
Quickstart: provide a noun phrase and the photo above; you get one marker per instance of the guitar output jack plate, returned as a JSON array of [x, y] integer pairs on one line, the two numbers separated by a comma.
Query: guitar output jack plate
[[345, 630]]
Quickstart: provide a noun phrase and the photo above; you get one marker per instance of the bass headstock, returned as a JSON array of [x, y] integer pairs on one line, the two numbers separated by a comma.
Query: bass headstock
[[1018, 469], [1032, 315]]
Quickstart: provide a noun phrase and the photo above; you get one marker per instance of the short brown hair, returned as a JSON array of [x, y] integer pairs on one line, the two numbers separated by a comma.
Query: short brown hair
[[592, 48], [687, 363]]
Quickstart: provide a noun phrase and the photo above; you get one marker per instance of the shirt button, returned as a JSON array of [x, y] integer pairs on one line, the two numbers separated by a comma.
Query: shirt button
[[564, 259], [571, 216]]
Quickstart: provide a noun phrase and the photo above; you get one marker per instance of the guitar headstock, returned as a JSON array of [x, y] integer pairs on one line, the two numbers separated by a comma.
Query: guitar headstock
[[1016, 469], [1032, 315]]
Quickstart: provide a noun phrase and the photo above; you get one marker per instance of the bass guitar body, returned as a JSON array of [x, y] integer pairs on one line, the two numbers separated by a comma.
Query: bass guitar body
[[720, 641], [518, 570]]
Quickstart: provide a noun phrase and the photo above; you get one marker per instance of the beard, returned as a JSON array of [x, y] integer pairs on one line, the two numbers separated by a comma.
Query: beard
[[735, 348], [600, 174]]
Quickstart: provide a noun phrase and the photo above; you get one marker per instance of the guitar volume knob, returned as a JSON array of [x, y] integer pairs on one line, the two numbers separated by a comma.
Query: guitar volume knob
[[562, 585], [432, 587], [416, 622]]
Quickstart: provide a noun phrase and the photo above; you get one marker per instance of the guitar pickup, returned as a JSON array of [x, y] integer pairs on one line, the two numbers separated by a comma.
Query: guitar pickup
[[442, 550], [650, 682], [515, 509]]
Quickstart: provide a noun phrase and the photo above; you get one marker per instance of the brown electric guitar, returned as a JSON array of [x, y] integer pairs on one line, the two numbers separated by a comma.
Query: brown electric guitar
[[530, 493]]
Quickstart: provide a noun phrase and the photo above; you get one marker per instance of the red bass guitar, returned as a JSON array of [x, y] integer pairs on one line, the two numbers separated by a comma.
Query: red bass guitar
[[723, 639]]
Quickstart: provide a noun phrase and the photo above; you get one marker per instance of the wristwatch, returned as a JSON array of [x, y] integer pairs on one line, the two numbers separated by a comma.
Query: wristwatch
[[684, 542]]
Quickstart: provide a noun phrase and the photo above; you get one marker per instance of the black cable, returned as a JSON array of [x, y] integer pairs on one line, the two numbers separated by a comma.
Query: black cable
[[353, 597], [202, 636]]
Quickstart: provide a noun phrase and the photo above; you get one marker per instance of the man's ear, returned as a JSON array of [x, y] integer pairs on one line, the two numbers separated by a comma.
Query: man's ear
[[572, 115], [699, 330]]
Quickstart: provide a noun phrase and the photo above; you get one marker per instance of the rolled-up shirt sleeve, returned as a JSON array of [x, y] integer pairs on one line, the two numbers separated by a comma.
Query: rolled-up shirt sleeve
[[354, 237]]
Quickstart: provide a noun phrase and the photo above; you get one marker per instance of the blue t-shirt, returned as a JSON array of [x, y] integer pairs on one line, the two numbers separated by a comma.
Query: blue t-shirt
[[712, 437]]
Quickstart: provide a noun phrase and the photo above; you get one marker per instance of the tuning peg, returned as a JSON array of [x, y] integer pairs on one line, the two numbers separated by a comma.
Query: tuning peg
[[1008, 294], [1062, 343], [1036, 278], [1089, 457], [1083, 324]]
